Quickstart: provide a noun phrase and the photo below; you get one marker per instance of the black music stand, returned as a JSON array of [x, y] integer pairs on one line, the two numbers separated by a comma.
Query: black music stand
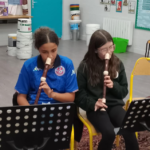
[[36, 127], [137, 117]]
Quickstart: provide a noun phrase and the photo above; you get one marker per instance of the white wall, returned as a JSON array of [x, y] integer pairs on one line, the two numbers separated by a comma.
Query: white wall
[[6, 29], [66, 18], [93, 12], [66, 14]]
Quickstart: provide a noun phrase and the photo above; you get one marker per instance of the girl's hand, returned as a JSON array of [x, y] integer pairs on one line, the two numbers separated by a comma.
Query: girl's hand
[[108, 82], [99, 104], [46, 89]]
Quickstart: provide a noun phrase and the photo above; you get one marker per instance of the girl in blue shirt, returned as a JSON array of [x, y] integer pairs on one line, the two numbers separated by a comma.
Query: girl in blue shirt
[[61, 82]]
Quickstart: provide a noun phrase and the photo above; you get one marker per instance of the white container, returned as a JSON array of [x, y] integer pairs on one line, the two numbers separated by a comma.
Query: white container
[[25, 25], [22, 36], [90, 29], [24, 54], [19, 22], [24, 45], [11, 51], [12, 38], [75, 15], [75, 29]]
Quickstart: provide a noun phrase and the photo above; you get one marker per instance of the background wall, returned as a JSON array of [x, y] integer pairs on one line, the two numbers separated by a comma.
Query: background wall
[[93, 12], [5, 29], [66, 18]]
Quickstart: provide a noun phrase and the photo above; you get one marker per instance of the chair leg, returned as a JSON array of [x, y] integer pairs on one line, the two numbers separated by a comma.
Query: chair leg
[[127, 105], [90, 138], [136, 133], [117, 140], [91, 142], [90, 132], [72, 139]]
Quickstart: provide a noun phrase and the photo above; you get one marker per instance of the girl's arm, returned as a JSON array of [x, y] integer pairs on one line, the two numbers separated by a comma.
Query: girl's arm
[[22, 100], [62, 97], [82, 99], [120, 88]]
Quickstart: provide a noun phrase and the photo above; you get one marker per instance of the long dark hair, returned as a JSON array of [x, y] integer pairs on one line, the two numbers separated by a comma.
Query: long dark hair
[[45, 35], [94, 64]]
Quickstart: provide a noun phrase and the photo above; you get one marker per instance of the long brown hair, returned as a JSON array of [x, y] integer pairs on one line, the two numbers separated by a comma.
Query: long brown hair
[[94, 64]]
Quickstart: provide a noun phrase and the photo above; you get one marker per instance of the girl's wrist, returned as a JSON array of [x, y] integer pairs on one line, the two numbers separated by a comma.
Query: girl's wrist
[[50, 93]]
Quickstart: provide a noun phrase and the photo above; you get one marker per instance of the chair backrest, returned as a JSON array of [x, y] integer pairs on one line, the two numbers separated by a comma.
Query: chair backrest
[[142, 67], [14, 99]]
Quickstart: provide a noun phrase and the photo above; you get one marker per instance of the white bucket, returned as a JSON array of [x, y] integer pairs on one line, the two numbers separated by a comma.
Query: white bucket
[[75, 15], [19, 22], [24, 45], [24, 52], [24, 55], [12, 38], [21, 35], [11, 51], [24, 49], [90, 29], [24, 39], [25, 25]]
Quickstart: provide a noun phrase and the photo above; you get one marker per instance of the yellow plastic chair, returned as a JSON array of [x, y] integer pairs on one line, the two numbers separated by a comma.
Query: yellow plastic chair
[[142, 67], [92, 131], [72, 139]]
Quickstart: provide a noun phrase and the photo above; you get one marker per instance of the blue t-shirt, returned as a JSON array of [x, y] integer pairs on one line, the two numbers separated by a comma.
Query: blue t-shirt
[[61, 78]]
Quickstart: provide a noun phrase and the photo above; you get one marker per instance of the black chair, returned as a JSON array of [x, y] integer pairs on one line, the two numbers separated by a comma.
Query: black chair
[[14, 100]]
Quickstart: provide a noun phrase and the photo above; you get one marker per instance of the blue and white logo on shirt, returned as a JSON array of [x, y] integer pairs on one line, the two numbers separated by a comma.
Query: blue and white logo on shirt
[[60, 71]]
